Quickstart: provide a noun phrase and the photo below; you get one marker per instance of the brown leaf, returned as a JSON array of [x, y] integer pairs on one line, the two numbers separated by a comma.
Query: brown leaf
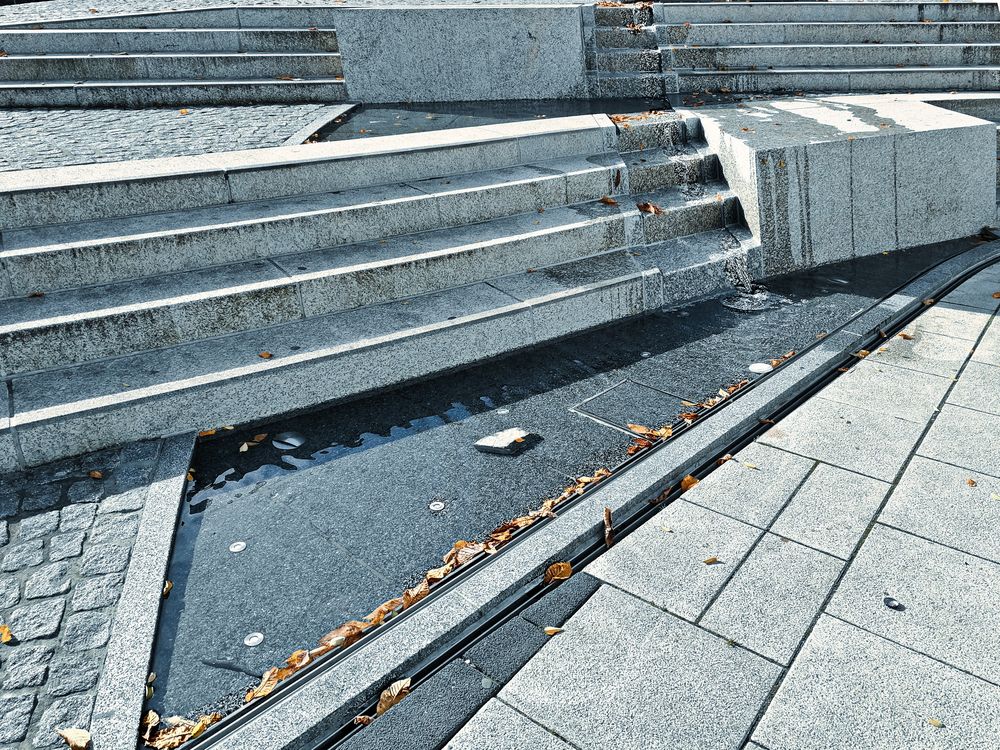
[[168, 586], [149, 723], [552, 631], [558, 571], [363, 720], [285, 78], [609, 531], [862, 353], [413, 595], [688, 482], [5, 635], [384, 610], [350, 631], [392, 695], [906, 336], [206, 433], [971, 482], [76, 739], [95, 474], [713, 560], [929, 301], [996, 295], [766, 421], [260, 438], [607, 200], [265, 355], [649, 208]]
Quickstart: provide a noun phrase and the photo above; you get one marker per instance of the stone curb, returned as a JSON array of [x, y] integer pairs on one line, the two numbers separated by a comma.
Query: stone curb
[[121, 690], [306, 711], [300, 136]]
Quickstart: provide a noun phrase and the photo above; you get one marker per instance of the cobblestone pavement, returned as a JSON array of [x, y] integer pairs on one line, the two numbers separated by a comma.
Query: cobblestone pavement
[[36, 138], [834, 586], [65, 542]]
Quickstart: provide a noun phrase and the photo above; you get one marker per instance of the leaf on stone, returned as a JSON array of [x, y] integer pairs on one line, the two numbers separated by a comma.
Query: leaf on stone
[[750, 465], [649, 208], [265, 355], [929, 301], [862, 353], [713, 560], [609, 531], [167, 588], [5, 635], [996, 295], [206, 433], [558, 571], [350, 631], [260, 438], [553, 631], [384, 610], [906, 336], [362, 720], [184, 111], [971, 482], [95, 474], [75, 739], [392, 695], [607, 200], [285, 78], [688, 482], [936, 723], [150, 721]]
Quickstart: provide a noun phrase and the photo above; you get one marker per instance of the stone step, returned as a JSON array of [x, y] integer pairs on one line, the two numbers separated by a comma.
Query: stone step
[[172, 66], [721, 34], [218, 17], [96, 41], [804, 12], [66, 195], [224, 381], [92, 323], [831, 55], [177, 93], [627, 85], [110, 250], [685, 164], [843, 79], [637, 132]]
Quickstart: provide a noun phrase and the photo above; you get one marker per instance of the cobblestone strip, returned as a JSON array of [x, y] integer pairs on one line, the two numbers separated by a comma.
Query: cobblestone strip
[[66, 536], [41, 138]]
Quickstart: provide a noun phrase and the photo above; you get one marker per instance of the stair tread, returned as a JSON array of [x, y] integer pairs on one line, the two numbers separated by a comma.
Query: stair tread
[[166, 83], [859, 69], [165, 54], [93, 385], [818, 45]]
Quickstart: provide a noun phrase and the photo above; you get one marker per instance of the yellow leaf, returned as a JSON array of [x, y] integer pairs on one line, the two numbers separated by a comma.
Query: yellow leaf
[[862, 353], [712, 560], [5, 635], [750, 466], [95, 474], [392, 695], [553, 631], [184, 111], [936, 723], [688, 482], [558, 571], [76, 739]]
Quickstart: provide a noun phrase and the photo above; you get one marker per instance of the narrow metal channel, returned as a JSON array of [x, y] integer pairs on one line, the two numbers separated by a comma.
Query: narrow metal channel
[[531, 592]]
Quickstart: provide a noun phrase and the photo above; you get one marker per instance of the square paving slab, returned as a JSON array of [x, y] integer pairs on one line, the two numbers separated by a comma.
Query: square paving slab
[[860, 439], [849, 689], [964, 437], [663, 561], [754, 493], [950, 599], [953, 321], [832, 510], [933, 353], [774, 597], [988, 350], [936, 501], [890, 390], [627, 675], [978, 388], [635, 403], [977, 292], [497, 726]]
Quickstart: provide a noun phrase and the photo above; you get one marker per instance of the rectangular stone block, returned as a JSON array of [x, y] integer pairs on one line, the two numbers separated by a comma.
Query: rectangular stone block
[[832, 510], [497, 726], [948, 601], [926, 352], [964, 437], [618, 659], [978, 388], [862, 440], [771, 602], [664, 561], [894, 391], [852, 689]]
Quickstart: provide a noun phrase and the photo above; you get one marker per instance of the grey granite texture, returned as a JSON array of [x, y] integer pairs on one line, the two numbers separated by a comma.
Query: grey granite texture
[[39, 138], [964, 437], [497, 726], [55, 594]]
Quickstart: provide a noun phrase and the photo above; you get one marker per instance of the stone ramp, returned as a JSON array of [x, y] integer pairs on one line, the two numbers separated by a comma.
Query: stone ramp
[[196, 292], [748, 48], [836, 574]]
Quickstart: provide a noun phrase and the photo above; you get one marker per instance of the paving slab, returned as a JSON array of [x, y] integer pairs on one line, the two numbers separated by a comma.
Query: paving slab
[[988, 350], [753, 493], [978, 388], [950, 599], [894, 391], [851, 689], [663, 561], [771, 602], [964, 437], [953, 321], [832, 510], [862, 440], [977, 292], [625, 674], [936, 501], [635, 403], [504, 651], [497, 726], [935, 353]]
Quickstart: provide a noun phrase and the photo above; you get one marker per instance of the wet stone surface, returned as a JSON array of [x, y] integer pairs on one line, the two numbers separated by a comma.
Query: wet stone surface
[[344, 521], [64, 540]]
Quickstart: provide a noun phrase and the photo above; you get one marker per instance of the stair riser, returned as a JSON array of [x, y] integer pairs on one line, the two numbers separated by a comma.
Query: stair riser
[[622, 61], [723, 34], [338, 376], [874, 55], [640, 86], [620, 38], [683, 170], [169, 68], [174, 40], [183, 183], [691, 220], [638, 134], [298, 92], [876, 81], [73, 266], [831, 12]]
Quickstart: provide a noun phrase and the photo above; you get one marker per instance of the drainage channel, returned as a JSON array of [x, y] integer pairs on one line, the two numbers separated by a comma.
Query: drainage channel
[[947, 274]]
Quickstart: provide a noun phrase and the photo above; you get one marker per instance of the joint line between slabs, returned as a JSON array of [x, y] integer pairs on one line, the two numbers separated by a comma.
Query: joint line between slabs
[[537, 723], [936, 542], [850, 560]]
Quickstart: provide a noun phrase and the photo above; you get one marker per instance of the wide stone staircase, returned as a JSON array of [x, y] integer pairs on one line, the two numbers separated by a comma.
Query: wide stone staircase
[[652, 49], [216, 56], [149, 298]]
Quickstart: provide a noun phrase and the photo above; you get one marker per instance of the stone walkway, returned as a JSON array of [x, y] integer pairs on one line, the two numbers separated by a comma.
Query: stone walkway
[[834, 586], [38, 138]]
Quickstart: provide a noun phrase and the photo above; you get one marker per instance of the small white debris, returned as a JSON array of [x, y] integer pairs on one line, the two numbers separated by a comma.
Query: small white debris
[[506, 443], [760, 367]]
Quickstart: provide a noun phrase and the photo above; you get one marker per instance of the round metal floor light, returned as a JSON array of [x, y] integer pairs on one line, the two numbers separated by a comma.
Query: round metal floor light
[[286, 441], [253, 639]]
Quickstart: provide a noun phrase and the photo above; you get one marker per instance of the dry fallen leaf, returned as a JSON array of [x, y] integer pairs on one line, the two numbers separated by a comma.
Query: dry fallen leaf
[[184, 111], [607, 200], [688, 482], [862, 353], [392, 695], [206, 433], [363, 720], [95, 474], [609, 531], [5, 635], [167, 588], [148, 725], [906, 336], [553, 631], [559, 571], [996, 295], [265, 355], [937, 723], [76, 739], [712, 560], [971, 482], [929, 301], [649, 208]]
